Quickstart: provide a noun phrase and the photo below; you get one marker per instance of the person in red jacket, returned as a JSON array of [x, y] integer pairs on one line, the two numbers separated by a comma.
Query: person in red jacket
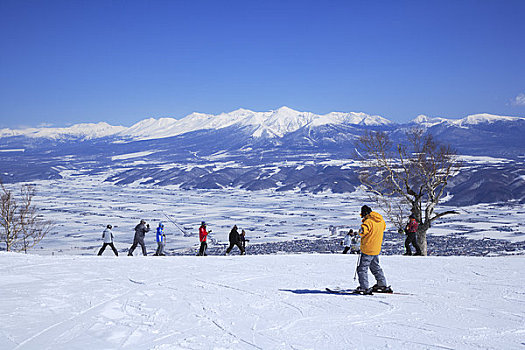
[[203, 236], [411, 230]]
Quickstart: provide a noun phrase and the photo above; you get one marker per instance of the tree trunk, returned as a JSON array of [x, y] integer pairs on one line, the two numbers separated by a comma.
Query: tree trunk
[[422, 238]]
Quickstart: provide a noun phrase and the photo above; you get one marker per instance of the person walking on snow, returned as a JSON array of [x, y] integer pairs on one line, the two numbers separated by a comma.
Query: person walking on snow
[[235, 240], [351, 242], [243, 239], [161, 240], [107, 237], [140, 232], [371, 233], [347, 241], [411, 230], [203, 236]]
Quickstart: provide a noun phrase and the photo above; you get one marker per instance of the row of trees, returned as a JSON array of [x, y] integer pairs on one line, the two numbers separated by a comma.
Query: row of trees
[[21, 228], [409, 177]]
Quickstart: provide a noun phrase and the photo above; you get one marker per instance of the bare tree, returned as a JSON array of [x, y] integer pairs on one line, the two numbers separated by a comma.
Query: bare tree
[[407, 178], [21, 228]]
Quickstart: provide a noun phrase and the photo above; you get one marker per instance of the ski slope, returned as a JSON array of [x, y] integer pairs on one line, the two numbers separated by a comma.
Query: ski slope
[[258, 302]]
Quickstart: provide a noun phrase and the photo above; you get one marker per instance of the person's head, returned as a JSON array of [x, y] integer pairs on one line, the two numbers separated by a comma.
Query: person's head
[[142, 221], [203, 223], [161, 224], [109, 226], [412, 216], [234, 227], [365, 210]]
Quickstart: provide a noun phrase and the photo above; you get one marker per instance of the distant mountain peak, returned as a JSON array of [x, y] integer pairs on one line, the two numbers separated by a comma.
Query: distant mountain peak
[[485, 118], [473, 119]]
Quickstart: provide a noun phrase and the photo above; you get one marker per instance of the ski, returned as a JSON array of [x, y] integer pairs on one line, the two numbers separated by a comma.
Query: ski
[[348, 291], [337, 290]]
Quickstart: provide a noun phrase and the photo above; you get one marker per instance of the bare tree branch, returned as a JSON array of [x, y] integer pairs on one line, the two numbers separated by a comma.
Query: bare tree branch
[[21, 228], [410, 177]]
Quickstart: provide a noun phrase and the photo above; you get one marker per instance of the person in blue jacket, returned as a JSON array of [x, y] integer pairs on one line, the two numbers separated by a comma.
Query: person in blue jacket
[[161, 240]]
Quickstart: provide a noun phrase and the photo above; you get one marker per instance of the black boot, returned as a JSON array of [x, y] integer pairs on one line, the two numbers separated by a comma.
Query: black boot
[[382, 289]]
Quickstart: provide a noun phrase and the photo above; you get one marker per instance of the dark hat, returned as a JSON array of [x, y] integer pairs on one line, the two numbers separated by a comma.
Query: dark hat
[[203, 223], [142, 221], [109, 226], [365, 210], [411, 216]]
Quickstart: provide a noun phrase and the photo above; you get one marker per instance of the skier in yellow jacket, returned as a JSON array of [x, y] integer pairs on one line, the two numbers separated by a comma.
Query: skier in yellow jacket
[[371, 233]]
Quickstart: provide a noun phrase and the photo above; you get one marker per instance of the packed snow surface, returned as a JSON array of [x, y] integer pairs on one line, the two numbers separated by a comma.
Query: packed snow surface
[[258, 302]]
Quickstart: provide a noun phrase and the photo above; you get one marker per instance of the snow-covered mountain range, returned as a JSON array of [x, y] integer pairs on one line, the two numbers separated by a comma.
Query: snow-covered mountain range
[[272, 124], [275, 123], [282, 150]]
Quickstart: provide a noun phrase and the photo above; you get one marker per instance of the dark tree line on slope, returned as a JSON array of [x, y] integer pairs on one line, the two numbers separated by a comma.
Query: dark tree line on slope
[[407, 178]]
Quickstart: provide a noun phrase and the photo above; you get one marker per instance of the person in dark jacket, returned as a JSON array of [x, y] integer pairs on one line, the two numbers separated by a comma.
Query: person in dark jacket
[[140, 232], [411, 230], [235, 240], [243, 239], [107, 237]]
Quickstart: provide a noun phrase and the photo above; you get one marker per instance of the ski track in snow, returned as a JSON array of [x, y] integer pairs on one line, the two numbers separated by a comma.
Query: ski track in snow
[[258, 302]]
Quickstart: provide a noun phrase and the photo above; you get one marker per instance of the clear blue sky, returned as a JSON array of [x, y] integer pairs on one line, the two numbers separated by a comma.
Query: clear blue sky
[[66, 62]]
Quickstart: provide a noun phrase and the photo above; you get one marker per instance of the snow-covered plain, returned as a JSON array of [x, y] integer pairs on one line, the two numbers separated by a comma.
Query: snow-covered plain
[[82, 205], [258, 302]]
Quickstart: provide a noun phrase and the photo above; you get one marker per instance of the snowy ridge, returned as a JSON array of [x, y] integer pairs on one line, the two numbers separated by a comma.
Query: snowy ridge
[[275, 123], [86, 131], [271, 124], [475, 119], [262, 124]]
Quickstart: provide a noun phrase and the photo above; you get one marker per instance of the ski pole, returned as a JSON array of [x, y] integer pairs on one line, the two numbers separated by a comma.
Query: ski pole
[[181, 230], [357, 266]]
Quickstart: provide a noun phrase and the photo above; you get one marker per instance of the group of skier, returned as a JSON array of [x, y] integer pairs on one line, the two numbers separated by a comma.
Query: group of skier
[[140, 232], [370, 236], [235, 238]]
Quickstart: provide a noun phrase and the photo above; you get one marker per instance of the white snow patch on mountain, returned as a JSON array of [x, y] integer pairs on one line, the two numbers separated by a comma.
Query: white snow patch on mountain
[[132, 155], [12, 150]]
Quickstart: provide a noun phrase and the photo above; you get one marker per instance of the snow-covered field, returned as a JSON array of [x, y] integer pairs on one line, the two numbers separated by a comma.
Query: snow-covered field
[[82, 206], [258, 302]]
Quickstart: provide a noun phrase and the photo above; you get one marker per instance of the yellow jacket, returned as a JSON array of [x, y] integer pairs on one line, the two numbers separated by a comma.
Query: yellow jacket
[[371, 233]]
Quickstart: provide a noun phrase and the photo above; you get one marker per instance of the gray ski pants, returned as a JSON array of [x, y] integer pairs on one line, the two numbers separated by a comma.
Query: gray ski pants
[[138, 241], [160, 248], [372, 262]]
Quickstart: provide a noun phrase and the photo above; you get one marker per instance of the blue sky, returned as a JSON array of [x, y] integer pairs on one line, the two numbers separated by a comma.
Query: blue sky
[[66, 62]]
